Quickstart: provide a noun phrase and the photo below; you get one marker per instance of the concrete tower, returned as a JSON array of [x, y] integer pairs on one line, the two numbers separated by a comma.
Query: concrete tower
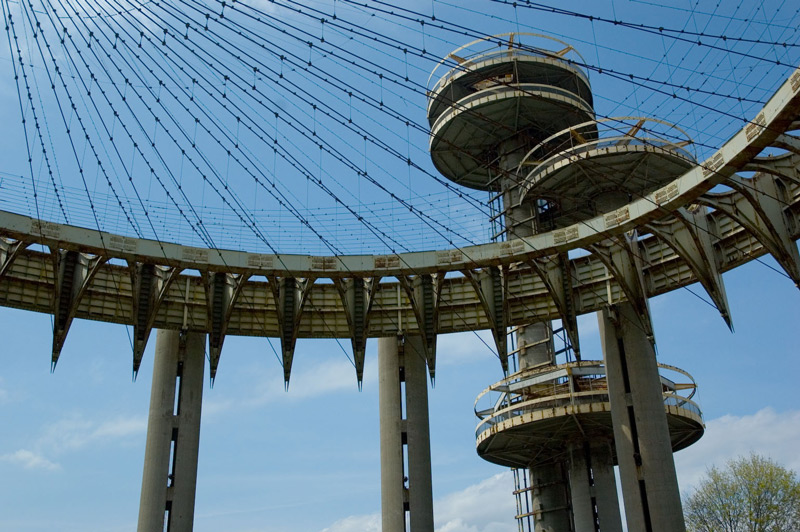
[[517, 120]]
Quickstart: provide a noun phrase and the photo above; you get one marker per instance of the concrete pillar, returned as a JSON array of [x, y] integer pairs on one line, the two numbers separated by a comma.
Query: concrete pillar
[[393, 495], [581, 488], [550, 497], [641, 435], [535, 348], [420, 489], [605, 488], [593, 488], [169, 478], [535, 344], [400, 364]]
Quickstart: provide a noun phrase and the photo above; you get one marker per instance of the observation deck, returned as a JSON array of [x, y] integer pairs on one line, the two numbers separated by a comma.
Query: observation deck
[[537, 411], [496, 90], [574, 178]]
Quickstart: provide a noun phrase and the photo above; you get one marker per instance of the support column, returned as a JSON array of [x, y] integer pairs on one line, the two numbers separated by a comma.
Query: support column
[[169, 478], [593, 487], [420, 485], [535, 345], [605, 488], [550, 497], [403, 380], [641, 434], [393, 492], [581, 488]]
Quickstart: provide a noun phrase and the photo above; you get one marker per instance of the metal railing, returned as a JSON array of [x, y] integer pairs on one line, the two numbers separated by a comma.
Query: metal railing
[[534, 90], [573, 383], [491, 49]]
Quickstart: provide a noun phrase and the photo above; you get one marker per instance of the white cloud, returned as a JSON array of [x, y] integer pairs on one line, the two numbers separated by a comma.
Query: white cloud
[[766, 432], [487, 506], [119, 428], [464, 348], [320, 379], [484, 507], [72, 434], [76, 432], [29, 460], [356, 523]]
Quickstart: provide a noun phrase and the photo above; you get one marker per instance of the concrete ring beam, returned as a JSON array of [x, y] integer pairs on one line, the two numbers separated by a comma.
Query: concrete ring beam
[[546, 431], [506, 67]]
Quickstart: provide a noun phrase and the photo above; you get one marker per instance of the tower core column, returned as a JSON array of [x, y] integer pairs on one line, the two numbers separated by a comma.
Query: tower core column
[[406, 483], [641, 433], [169, 478]]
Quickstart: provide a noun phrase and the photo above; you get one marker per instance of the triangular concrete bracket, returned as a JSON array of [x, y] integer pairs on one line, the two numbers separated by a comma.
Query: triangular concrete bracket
[[622, 256], [357, 295], [689, 235], [150, 285], [8, 252], [761, 211], [74, 272], [222, 291], [490, 285], [424, 293], [290, 295]]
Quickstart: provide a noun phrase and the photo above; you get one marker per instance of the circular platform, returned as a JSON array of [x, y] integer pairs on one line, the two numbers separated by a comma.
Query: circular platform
[[578, 178], [495, 92], [538, 410], [502, 59]]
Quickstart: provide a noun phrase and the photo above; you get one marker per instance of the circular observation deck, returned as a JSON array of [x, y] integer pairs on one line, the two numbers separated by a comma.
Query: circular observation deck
[[536, 412], [572, 178], [496, 90]]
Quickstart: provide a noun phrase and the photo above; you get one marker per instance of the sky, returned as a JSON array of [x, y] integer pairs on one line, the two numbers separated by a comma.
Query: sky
[[72, 443]]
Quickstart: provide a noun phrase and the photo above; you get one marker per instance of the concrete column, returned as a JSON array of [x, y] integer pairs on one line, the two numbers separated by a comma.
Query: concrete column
[[605, 488], [581, 489], [535, 343], [533, 340], [593, 488], [420, 489], [535, 348], [641, 435], [391, 427], [169, 478], [550, 497]]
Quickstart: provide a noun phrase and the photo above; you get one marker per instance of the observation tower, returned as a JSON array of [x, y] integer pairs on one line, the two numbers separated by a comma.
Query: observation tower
[[516, 119], [594, 215]]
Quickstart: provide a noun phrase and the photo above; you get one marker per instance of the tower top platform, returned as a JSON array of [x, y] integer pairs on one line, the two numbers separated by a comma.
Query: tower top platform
[[499, 95]]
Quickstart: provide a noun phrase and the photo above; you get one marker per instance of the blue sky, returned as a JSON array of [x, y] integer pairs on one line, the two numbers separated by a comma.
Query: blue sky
[[72, 443]]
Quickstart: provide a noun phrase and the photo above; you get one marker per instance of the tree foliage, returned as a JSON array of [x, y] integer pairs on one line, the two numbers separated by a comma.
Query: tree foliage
[[750, 494]]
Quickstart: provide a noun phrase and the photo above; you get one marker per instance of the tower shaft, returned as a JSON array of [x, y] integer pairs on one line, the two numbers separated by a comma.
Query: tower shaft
[[406, 484], [641, 433], [169, 478]]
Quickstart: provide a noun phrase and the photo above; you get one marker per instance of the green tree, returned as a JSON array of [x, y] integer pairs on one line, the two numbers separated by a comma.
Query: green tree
[[750, 494]]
